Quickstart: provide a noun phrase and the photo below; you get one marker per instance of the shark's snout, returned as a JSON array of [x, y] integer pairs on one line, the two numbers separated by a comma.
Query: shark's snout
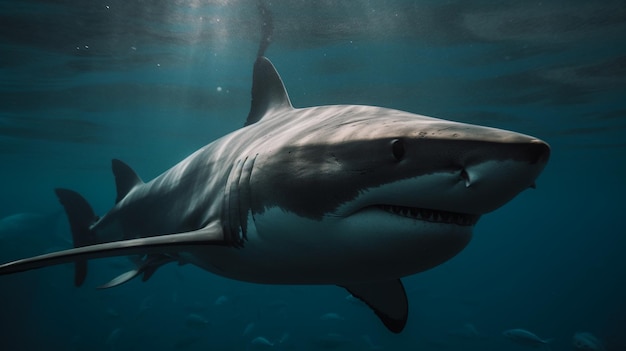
[[492, 182], [539, 152]]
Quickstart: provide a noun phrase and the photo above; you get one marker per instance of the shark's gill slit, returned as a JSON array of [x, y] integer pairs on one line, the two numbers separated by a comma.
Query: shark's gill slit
[[245, 195], [234, 233], [429, 215]]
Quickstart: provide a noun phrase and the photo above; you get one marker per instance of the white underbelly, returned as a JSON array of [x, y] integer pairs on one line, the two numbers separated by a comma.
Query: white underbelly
[[304, 251]]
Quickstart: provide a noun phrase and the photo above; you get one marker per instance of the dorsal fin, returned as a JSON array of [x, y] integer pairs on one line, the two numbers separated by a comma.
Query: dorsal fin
[[125, 179], [268, 91]]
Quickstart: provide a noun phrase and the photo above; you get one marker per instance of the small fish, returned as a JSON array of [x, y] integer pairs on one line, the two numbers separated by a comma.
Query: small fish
[[584, 341], [467, 332], [249, 328], [221, 300], [283, 338], [525, 338], [261, 343], [352, 299], [196, 321], [331, 316]]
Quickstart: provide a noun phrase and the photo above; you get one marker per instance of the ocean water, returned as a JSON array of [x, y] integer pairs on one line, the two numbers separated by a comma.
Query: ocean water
[[149, 82]]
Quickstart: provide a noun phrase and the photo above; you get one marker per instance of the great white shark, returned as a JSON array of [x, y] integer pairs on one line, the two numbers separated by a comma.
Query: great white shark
[[349, 195]]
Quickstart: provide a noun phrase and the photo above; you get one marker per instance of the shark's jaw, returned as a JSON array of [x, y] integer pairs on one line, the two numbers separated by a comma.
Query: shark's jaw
[[429, 215], [375, 243]]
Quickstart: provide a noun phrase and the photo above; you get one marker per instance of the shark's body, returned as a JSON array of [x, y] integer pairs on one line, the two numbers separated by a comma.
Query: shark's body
[[20, 234], [357, 196]]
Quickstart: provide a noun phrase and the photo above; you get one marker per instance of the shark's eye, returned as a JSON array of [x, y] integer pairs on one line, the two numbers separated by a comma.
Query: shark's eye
[[397, 148]]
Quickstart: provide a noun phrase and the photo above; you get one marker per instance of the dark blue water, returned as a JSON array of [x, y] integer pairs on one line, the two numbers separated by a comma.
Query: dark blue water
[[149, 82]]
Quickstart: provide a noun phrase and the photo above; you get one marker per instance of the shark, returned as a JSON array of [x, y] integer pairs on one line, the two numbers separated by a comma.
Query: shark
[[349, 195]]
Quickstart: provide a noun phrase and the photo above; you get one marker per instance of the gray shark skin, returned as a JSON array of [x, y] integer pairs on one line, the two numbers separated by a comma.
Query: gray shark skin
[[355, 196]]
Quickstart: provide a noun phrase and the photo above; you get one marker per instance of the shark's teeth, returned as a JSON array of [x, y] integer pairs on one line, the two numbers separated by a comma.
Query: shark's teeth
[[428, 215]]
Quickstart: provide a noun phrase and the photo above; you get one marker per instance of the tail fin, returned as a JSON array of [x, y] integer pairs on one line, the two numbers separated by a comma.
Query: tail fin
[[81, 216]]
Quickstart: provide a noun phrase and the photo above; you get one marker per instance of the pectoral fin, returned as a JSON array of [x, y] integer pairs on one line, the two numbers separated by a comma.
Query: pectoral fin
[[163, 244], [387, 299], [146, 266], [121, 279]]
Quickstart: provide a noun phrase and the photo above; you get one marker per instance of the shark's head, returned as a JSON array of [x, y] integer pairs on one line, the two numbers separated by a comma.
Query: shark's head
[[392, 192]]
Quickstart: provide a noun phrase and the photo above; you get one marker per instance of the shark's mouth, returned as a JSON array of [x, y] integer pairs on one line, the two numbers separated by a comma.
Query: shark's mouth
[[429, 215]]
